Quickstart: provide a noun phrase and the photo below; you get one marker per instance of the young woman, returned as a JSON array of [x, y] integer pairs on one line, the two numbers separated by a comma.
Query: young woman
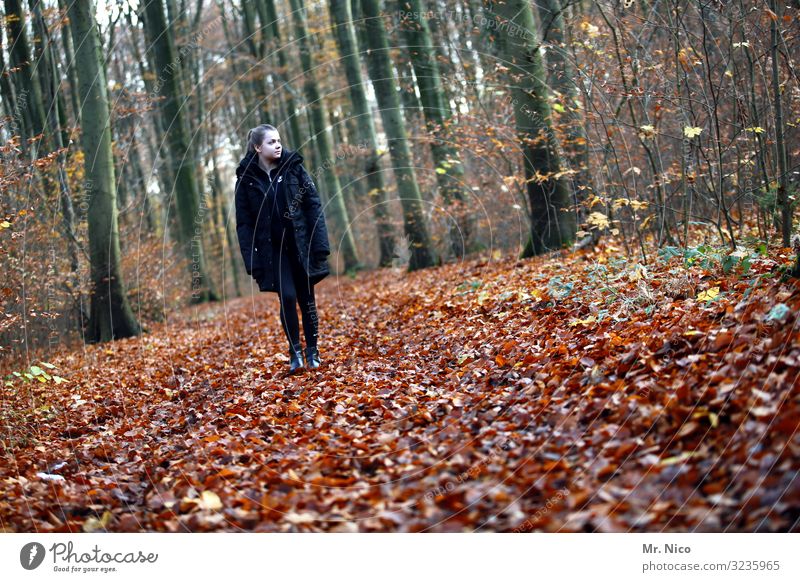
[[282, 234]]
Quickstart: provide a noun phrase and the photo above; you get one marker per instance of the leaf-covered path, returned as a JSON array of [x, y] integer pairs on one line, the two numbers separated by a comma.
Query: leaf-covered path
[[579, 392]]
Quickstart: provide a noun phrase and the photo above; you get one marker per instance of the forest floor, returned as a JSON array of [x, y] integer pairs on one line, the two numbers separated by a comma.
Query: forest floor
[[577, 392]]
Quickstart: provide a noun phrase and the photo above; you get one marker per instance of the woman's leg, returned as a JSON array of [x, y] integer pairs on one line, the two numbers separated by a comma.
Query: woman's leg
[[308, 305], [287, 294]]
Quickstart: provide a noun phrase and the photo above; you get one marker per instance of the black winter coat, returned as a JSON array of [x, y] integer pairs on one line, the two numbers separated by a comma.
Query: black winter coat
[[303, 207]]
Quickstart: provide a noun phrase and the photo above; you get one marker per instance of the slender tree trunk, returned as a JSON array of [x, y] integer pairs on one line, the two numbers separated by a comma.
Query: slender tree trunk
[[192, 88], [161, 43], [169, 225], [269, 23], [377, 199], [780, 141], [122, 132], [111, 314], [449, 169], [380, 69], [563, 78], [49, 80], [755, 114], [241, 98], [140, 182], [199, 139], [353, 187], [20, 57], [405, 82], [69, 60], [178, 30], [226, 232], [552, 219], [7, 92], [258, 72], [438, 28], [46, 66], [316, 105]]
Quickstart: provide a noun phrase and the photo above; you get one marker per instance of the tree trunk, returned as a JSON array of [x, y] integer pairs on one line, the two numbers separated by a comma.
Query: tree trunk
[[161, 43], [380, 70], [140, 181], [564, 79], [258, 72], [780, 142], [316, 105], [164, 172], [50, 84], [69, 65], [552, 219], [438, 28], [241, 98], [29, 98], [342, 21], [111, 315], [227, 232], [44, 57], [449, 169], [405, 81], [269, 23], [7, 93]]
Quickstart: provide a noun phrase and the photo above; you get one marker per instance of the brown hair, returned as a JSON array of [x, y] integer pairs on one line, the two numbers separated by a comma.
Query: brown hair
[[255, 137]]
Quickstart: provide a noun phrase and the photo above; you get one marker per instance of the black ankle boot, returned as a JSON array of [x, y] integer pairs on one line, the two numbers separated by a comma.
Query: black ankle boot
[[312, 357], [295, 359]]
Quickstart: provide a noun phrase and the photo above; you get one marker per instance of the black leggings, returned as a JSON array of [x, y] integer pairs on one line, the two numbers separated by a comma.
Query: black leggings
[[294, 286]]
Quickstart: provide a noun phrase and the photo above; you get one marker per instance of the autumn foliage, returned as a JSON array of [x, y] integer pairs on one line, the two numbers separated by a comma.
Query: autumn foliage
[[575, 392]]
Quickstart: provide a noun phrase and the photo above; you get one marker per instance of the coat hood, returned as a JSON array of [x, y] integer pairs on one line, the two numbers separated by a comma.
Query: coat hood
[[249, 163]]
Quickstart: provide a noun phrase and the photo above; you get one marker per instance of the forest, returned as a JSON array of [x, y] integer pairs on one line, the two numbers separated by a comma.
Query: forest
[[564, 266]]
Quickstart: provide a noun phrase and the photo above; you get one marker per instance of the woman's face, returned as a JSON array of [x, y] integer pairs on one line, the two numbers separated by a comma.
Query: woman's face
[[270, 149]]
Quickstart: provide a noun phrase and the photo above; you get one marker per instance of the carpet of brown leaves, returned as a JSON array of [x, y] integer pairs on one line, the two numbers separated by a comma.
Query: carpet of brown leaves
[[577, 392]]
